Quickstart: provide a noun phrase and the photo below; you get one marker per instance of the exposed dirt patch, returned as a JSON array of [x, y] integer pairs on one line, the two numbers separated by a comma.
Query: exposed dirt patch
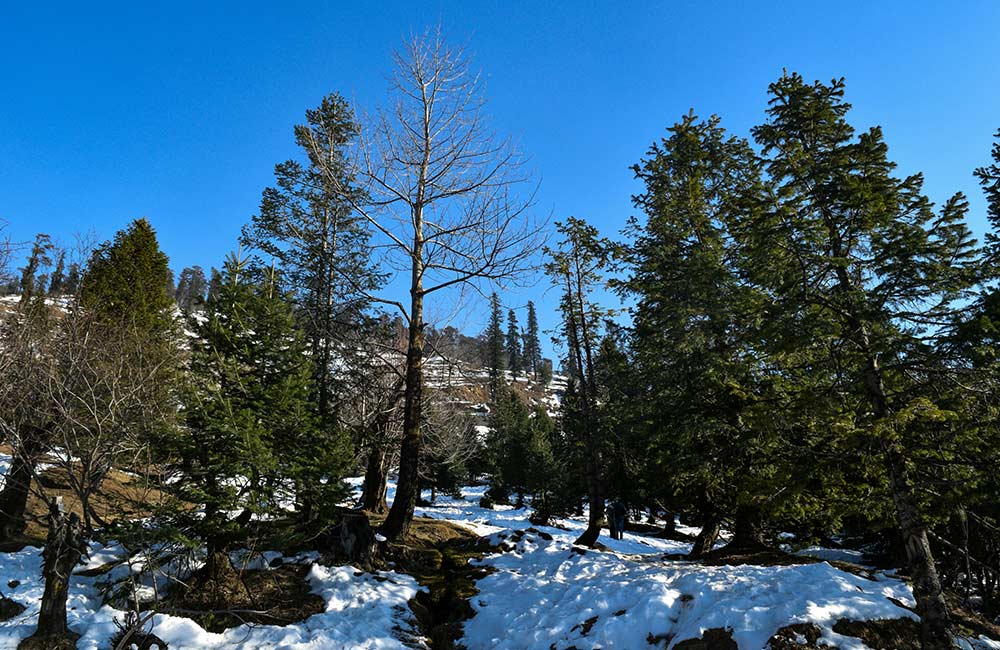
[[122, 496], [279, 596], [437, 554], [896, 633], [759, 556], [714, 639], [800, 636]]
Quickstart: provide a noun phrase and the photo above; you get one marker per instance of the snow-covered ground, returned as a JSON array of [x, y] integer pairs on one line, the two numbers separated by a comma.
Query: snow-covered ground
[[542, 593], [362, 611]]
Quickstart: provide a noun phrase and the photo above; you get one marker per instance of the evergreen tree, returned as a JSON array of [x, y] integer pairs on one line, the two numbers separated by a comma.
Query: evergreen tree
[[577, 266], [249, 425], [531, 346], [307, 224], [127, 282], [494, 341], [37, 260], [512, 344], [73, 279], [856, 257], [696, 336], [192, 288], [214, 283], [57, 282]]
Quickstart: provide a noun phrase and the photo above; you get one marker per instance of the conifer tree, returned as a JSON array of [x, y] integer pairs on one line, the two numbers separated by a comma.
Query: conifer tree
[[494, 341], [192, 288], [307, 225], [57, 282], [576, 267], [37, 260], [127, 282], [249, 426], [73, 279], [857, 257], [531, 346], [512, 344]]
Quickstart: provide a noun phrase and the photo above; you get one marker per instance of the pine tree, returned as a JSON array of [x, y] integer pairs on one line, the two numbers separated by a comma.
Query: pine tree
[[494, 342], [37, 260], [577, 266], [192, 288], [512, 344], [531, 346], [249, 425], [57, 283], [73, 279], [857, 257], [695, 334], [127, 282], [307, 225]]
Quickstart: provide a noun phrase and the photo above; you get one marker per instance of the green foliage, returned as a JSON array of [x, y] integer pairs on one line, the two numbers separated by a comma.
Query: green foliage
[[512, 344], [494, 342], [250, 435], [307, 225], [519, 452], [127, 280]]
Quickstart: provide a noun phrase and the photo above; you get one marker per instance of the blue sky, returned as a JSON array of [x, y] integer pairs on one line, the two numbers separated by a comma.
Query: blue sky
[[178, 111]]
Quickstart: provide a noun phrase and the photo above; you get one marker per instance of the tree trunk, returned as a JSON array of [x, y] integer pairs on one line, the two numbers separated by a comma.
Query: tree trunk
[[707, 537], [747, 532], [935, 620], [669, 525], [219, 585], [14, 497], [376, 482], [64, 547], [595, 493], [397, 523]]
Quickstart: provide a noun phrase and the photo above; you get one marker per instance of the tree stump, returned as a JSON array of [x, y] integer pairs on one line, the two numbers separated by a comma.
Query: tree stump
[[353, 540], [64, 548]]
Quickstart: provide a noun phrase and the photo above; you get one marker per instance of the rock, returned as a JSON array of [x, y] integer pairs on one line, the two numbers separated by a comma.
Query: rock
[[9, 608], [716, 638]]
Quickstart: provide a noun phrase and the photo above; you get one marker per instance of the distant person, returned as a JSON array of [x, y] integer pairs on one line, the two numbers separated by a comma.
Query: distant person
[[609, 512], [619, 511]]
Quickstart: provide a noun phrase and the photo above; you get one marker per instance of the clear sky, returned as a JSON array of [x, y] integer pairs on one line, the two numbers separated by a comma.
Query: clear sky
[[178, 111]]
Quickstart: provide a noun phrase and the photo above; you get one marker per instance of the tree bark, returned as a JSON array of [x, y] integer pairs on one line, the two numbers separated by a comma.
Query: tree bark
[[64, 547], [747, 531], [14, 497], [707, 537], [397, 523], [935, 621], [376, 482]]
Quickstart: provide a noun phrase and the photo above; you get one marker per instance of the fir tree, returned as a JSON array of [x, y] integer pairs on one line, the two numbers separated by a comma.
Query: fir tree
[[37, 260], [577, 268], [57, 282], [307, 225], [512, 344], [531, 346], [857, 257], [494, 342], [73, 279], [249, 426], [192, 288], [127, 282]]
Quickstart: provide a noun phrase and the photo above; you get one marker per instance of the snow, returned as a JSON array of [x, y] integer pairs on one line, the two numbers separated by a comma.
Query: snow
[[543, 592], [363, 610]]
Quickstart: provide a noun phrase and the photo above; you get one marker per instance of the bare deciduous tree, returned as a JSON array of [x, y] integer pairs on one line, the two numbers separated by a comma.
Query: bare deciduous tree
[[447, 201]]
